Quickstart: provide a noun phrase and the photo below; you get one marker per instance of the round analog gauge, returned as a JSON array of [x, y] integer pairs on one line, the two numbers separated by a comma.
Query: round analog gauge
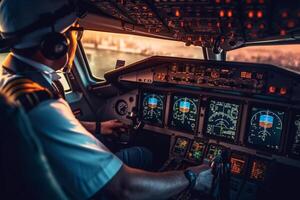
[[153, 108], [265, 128], [121, 107]]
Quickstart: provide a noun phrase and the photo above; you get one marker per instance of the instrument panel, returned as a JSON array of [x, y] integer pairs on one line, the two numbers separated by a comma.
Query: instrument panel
[[209, 106]]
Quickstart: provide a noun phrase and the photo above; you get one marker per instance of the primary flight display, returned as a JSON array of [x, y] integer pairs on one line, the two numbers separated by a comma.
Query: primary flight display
[[222, 119], [153, 108], [265, 127], [184, 113]]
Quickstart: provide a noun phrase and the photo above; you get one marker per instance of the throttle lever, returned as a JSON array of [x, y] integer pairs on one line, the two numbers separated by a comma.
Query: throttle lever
[[221, 171], [137, 124]]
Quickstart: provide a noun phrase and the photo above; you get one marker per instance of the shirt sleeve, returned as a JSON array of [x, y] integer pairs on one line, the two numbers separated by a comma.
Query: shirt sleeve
[[81, 163]]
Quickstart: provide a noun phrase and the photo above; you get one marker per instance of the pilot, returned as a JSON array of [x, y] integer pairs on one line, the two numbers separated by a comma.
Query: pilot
[[42, 37]]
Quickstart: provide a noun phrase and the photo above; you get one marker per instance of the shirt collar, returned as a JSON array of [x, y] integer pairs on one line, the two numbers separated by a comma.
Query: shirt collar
[[46, 71]]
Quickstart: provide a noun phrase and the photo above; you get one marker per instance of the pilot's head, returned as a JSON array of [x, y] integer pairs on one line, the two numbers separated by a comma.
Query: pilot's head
[[40, 29]]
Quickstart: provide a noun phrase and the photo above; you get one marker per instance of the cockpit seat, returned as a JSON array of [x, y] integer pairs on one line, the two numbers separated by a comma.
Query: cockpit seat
[[24, 173]]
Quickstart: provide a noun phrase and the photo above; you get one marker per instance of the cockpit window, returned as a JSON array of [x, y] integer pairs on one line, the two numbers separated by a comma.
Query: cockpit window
[[2, 57], [285, 56], [104, 49]]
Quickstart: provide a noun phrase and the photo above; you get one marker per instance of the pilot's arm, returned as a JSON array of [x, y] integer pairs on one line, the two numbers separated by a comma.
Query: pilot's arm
[[106, 127], [84, 167]]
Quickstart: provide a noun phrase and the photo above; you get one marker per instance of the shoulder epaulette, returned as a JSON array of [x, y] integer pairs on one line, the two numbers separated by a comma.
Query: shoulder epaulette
[[26, 92]]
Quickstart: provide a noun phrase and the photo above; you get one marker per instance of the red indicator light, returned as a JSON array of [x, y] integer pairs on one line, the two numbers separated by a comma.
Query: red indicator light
[[284, 14], [261, 26], [229, 25], [249, 26], [261, 1], [229, 13], [218, 1], [182, 23], [282, 32], [177, 13], [250, 14], [272, 89], [291, 24], [218, 24], [259, 14], [248, 1], [228, 1], [222, 13], [283, 91]]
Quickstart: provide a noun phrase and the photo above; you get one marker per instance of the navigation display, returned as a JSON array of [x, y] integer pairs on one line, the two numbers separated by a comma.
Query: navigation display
[[184, 113], [265, 128], [181, 146], [296, 135], [196, 151], [153, 108], [213, 151], [238, 164], [258, 170], [222, 119]]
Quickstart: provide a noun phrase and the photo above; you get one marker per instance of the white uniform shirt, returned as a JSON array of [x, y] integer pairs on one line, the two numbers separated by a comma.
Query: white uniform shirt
[[81, 164]]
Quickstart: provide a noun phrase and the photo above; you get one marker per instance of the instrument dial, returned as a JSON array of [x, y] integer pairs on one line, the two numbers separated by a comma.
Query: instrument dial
[[121, 107]]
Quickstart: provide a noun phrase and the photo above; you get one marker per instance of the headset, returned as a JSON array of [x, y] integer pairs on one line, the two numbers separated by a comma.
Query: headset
[[54, 45]]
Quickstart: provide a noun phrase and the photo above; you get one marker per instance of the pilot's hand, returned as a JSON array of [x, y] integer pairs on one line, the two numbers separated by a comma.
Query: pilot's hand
[[112, 126], [204, 179]]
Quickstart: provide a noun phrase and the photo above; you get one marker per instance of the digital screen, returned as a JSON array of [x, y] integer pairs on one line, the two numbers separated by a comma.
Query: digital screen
[[222, 119], [184, 113], [181, 146], [196, 151], [296, 139], [153, 108], [213, 151], [265, 128], [258, 170], [238, 164]]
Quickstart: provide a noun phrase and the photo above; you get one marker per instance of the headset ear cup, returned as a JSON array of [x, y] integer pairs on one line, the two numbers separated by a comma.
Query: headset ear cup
[[54, 46]]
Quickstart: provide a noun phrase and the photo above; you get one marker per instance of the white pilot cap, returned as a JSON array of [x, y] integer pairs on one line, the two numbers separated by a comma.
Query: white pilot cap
[[16, 15]]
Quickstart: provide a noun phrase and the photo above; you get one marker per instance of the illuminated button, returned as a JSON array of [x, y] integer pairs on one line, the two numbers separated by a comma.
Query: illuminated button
[[229, 13], [283, 91], [291, 24], [249, 26], [259, 14], [272, 89], [250, 14], [282, 32], [177, 13], [222, 13], [261, 26], [284, 14]]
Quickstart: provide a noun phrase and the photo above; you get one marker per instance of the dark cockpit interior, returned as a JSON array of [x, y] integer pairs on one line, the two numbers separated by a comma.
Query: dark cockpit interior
[[187, 110]]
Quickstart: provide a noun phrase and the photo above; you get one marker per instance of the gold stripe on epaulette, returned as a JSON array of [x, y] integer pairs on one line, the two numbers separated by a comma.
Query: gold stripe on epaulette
[[21, 86], [24, 86], [11, 84]]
